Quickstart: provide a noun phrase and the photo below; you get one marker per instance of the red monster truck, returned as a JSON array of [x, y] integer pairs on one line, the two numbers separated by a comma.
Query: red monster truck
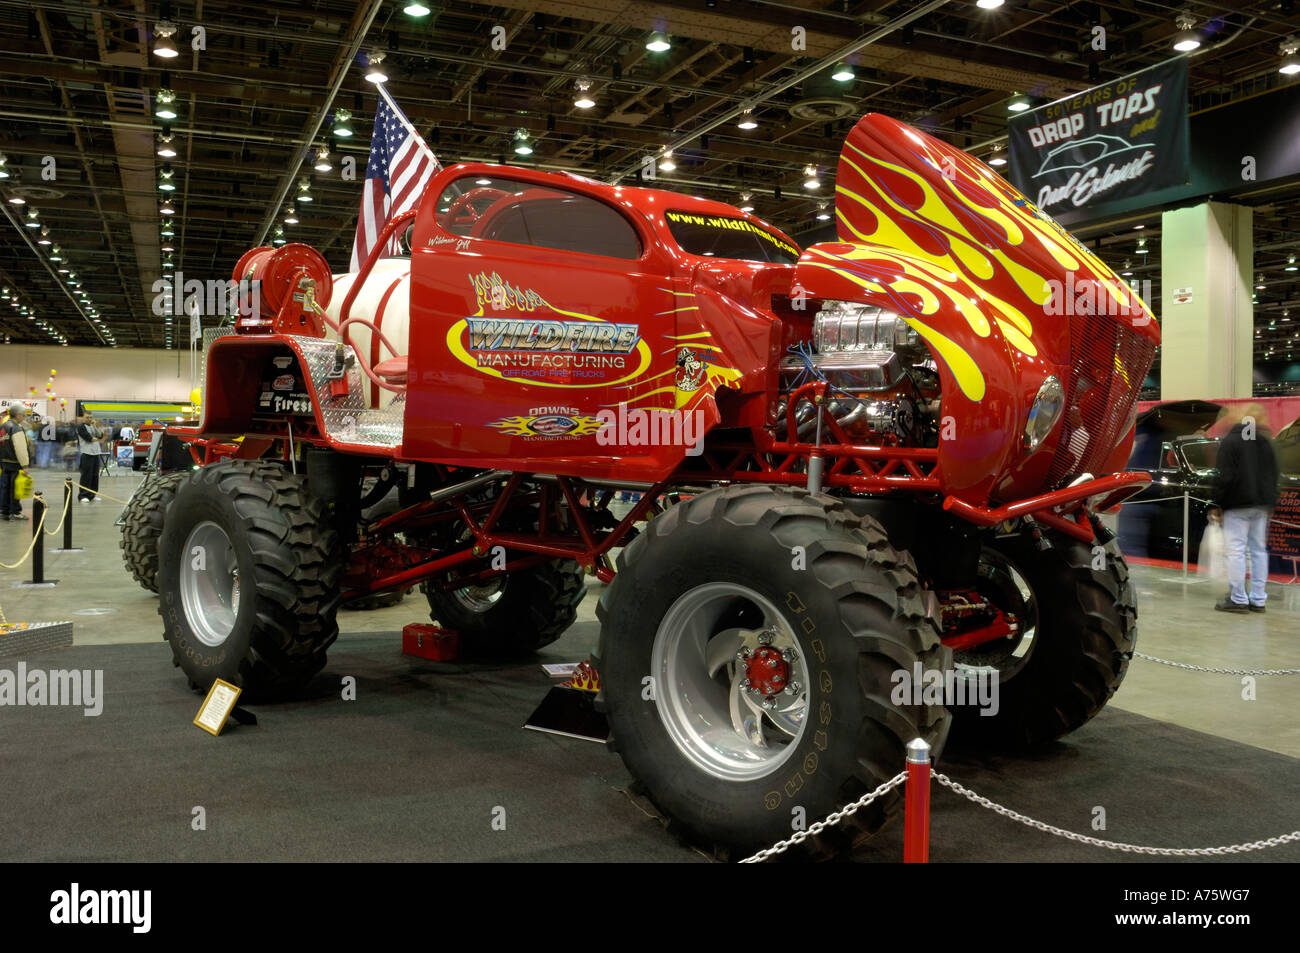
[[895, 444]]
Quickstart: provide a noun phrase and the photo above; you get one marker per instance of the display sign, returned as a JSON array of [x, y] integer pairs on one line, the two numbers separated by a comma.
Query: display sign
[[33, 406], [216, 708], [1182, 295], [1284, 527], [1125, 138]]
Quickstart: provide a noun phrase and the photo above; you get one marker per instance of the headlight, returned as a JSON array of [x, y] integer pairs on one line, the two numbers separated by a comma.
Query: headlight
[[1044, 413], [848, 326]]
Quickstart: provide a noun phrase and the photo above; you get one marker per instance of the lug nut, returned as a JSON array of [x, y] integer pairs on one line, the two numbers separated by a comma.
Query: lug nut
[[769, 703], [789, 655], [746, 684], [742, 655], [765, 637], [793, 688]]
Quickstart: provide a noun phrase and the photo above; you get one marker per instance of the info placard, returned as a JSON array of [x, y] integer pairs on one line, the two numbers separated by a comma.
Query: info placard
[[1284, 527], [216, 708]]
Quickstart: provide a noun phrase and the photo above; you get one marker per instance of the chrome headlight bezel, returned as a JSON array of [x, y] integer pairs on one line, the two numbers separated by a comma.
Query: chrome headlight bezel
[[1044, 413]]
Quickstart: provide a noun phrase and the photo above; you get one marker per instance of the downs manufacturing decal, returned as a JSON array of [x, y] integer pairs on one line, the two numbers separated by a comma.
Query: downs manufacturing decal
[[549, 423], [569, 350]]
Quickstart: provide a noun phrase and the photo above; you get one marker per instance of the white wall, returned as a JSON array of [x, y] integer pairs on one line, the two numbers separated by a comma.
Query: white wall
[[95, 373]]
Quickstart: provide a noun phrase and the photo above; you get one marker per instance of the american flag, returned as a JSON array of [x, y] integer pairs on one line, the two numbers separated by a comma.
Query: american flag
[[400, 166]]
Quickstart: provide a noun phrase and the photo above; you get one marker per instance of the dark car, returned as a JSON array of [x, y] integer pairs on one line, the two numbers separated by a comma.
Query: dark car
[[1151, 523]]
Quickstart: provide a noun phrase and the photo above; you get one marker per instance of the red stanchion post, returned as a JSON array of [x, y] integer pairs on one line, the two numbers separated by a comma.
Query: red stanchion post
[[916, 808]]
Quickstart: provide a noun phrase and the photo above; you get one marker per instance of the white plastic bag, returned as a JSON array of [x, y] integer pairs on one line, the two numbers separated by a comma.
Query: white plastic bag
[[1212, 558]]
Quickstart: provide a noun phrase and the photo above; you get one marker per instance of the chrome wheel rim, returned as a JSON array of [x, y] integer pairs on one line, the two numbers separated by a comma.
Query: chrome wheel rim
[[730, 725], [999, 574], [209, 584], [480, 598]]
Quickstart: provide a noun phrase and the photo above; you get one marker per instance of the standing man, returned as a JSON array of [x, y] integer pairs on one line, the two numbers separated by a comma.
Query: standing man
[[1246, 490], [89, 433], [13, 457]]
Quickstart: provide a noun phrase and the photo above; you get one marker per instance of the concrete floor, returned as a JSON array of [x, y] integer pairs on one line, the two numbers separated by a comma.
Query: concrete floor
[[1176, 622]]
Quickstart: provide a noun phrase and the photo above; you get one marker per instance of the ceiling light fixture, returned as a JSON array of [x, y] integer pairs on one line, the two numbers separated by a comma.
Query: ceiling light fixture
[[746, 120], [997, 159], [165, 182], [522, 148], [33, 220], [165, 146], [843, 73], [658, 43], [341, 127], [279, 238], [290, 218], [745, 204], [304, 191], [811, 182], [323, 160], [1186, 39], [375, 74], [1018, 103], [1290, 62], [582, 98], [17, 200], [823, 212], [988, 4], [166, 207], [163, 101], [666, 164], [164, 45], [415, 10], [4, 172]]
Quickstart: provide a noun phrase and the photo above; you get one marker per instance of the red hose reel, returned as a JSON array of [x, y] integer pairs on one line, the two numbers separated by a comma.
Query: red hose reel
[[290, 289]]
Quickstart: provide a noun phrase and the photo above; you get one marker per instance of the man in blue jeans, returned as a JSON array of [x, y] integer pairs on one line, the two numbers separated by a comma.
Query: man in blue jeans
[[1246, 489]]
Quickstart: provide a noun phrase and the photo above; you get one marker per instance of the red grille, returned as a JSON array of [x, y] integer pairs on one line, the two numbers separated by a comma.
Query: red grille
[[1109, 363]]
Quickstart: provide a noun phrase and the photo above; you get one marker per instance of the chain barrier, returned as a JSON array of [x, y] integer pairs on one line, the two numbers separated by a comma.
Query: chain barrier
[[996, 808], [1219, 671], [67, 505], [99, 493], [830, 821], [36, 538]]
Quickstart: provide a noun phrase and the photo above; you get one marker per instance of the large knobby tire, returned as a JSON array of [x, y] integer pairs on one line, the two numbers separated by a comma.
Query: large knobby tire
[[252, 522], [143, 525], [826, 587], [514, 615], [1084, 616]]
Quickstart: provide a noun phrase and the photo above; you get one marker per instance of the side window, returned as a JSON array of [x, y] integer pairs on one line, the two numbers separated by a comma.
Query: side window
[[504, 210]]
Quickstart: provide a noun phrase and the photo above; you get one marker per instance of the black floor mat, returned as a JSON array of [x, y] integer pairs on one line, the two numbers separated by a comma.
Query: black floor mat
[[431, 762]]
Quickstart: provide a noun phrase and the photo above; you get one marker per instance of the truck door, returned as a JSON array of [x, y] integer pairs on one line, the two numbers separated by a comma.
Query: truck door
[[535, 307]]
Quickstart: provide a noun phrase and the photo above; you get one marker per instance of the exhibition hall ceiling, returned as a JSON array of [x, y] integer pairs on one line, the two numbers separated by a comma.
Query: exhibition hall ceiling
[[79, 85]]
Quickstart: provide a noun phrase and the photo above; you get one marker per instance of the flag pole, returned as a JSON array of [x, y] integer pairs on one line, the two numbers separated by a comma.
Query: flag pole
[[406, 123]]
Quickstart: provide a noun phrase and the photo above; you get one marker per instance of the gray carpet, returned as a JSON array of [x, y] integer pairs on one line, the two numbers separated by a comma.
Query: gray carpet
[[414, 768]]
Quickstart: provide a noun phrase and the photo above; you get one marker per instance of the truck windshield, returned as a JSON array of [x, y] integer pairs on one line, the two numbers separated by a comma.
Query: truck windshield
[[721, 236]]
